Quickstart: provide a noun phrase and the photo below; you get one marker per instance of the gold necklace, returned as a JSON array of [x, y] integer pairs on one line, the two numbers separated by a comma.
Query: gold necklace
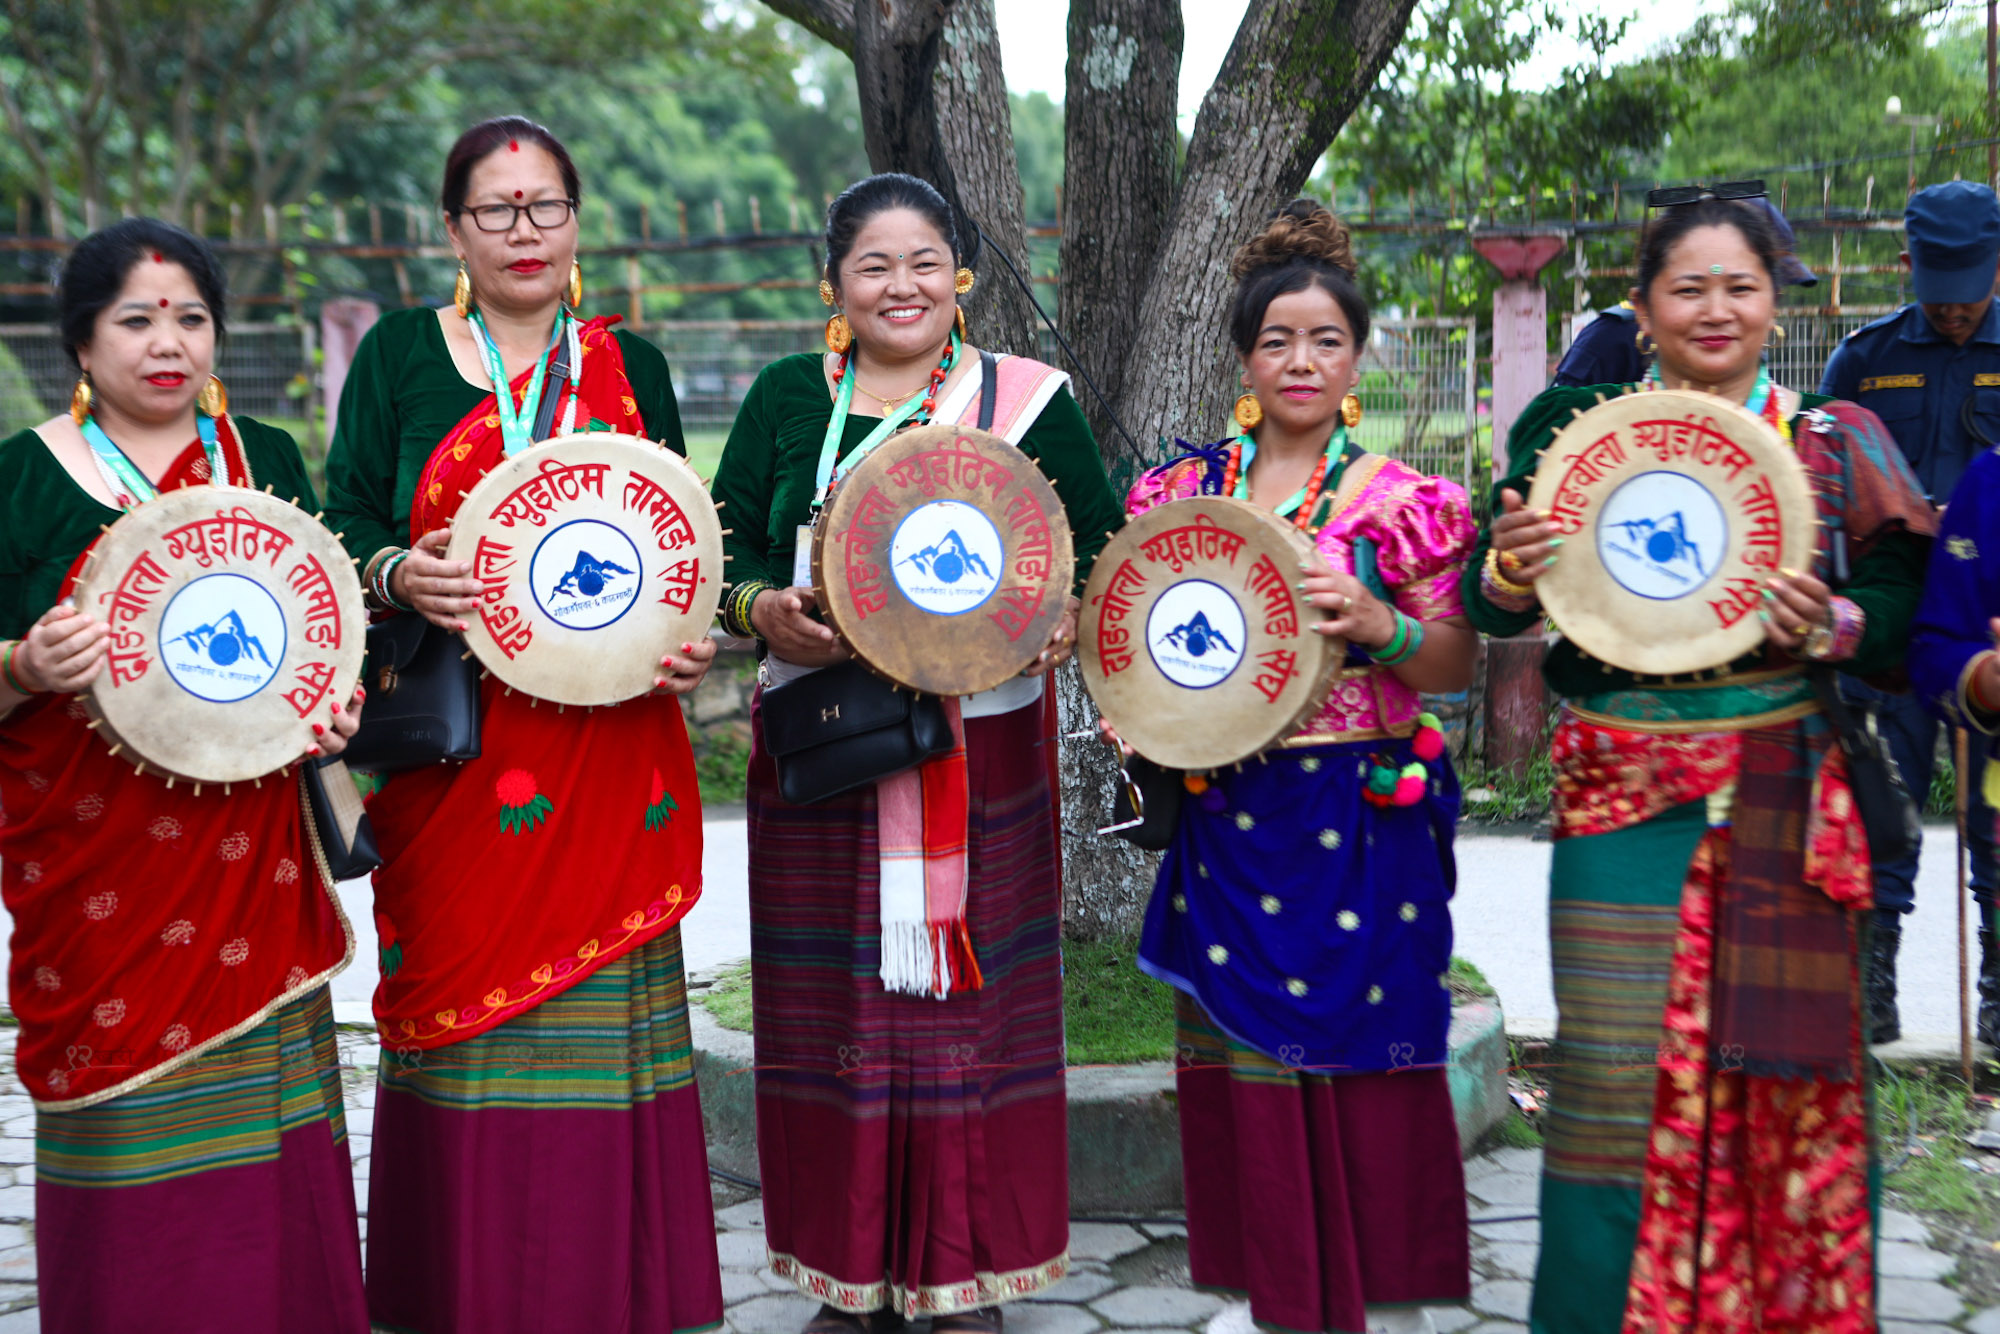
[[885, 402]]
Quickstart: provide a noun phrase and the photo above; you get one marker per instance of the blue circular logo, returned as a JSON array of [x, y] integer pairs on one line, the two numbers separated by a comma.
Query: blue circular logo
[[222, 637], [947, 557], [585, 574], [1196, 634], [1661, 535]]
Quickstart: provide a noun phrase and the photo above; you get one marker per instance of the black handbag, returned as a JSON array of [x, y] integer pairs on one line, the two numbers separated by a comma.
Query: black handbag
[[423, 698], [844, 727], [346, 839], [1147, 805]]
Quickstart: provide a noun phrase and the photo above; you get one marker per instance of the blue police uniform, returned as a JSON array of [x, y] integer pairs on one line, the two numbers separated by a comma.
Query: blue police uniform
[[1605, 351], [1939, 399]]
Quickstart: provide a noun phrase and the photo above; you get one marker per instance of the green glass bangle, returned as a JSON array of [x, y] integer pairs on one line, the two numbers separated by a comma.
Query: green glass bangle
[[1409, 639], [7, 670]]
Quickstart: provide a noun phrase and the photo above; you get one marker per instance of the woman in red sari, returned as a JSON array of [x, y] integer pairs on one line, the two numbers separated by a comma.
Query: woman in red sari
[[538, 1159], [171, 945]]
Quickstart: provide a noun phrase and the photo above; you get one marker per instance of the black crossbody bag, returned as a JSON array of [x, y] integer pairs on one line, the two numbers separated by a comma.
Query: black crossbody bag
[[423, 696], [1888, 813], [346, 839], [843, 727]]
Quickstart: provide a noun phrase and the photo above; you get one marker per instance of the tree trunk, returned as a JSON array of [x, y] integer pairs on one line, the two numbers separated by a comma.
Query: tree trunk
[[1295, 72], [976, 123], [1120, 99]]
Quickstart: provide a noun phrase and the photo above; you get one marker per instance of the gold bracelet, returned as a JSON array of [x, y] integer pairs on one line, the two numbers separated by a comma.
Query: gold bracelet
[[1501, 583]]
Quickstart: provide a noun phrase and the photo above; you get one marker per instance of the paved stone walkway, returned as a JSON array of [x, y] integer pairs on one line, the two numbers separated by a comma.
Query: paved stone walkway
[[1125, 1276]]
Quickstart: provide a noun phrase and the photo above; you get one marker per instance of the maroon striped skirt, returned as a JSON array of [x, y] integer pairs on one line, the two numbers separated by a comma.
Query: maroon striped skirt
[[914, 1152]]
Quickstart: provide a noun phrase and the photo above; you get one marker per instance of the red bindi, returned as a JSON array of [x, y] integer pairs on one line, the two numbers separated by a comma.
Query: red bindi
[[517, 194], [513, 145], [163, 303], [158, 258]]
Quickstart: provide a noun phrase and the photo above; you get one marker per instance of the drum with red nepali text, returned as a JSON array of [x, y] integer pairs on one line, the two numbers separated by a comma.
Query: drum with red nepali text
[[1196, 643], [599, 555], [236, 624], [1677, 507], [944, 560]]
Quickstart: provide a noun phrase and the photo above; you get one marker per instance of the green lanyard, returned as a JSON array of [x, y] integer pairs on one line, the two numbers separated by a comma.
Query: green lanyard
[[517, 425], [1336, 466], [837, 425], [127, 484]]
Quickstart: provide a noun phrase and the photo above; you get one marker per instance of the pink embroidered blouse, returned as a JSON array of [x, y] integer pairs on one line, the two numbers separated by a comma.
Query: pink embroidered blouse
[[1423, 532]]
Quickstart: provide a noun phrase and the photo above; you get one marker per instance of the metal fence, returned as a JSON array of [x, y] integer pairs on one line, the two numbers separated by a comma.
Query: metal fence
[[270, 371], [1811, 335]]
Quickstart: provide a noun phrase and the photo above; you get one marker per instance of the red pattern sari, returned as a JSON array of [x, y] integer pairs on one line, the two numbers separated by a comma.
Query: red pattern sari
[[573, 839], [151, 924]]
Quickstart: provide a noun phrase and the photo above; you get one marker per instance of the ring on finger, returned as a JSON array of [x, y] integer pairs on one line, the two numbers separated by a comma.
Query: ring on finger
[[1346, 603], [1511, 563]]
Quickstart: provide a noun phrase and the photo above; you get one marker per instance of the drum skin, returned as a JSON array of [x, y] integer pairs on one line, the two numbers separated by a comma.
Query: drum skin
[[1676, 507], [600, 554], [944, 560], [236, 624], [1195, 643]]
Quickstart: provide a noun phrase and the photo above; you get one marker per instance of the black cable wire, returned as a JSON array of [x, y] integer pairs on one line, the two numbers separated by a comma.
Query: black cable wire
[[1028, 290]]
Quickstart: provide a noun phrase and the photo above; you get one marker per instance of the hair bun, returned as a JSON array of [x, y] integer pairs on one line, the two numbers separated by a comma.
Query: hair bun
[[1303, 229]]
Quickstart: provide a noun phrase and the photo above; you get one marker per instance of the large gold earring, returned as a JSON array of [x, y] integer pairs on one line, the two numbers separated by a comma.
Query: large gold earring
[[213, 398], [839, 336], [79, 399], [1644, 342], [575, 284], [826, 292], [461, 292], [961, 324], [962, 281], [1249, 412], [1350, 411], [1777, 336]]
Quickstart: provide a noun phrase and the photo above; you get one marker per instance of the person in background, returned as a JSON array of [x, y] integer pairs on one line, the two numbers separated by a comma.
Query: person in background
[[1606, 350], [1931, 372]]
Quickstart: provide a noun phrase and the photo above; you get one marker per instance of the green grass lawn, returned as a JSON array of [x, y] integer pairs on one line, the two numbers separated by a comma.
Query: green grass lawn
[[705, 452]]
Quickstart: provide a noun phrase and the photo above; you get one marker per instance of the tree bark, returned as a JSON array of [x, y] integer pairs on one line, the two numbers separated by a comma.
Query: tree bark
[[1294, 74], [976, 126], [1120, 99]]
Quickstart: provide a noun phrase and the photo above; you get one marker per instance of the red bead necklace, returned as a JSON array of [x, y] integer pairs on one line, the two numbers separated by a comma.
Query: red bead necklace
[[1303, 517], [937, 378]]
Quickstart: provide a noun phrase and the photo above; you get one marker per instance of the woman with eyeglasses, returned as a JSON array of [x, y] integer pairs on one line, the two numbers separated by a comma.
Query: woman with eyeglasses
[[538, 1156], [1707, 1163]]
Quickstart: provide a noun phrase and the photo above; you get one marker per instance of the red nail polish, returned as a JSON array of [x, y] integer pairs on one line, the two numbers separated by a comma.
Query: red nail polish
[[318, 730], [336, 708], [312, 750]]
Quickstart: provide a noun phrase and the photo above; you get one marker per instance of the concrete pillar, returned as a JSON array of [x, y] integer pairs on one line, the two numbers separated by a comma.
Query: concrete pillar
[[341, 324], [1516, 700]]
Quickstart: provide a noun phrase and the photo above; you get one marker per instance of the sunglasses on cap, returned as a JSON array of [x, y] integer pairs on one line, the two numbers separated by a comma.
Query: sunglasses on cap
[[1672, 196]]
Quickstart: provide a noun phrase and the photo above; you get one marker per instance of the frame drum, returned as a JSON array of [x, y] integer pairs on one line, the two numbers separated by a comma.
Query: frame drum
[[600, 554], [236, 623], [943, 560], [1678, 506], [1195, 641]]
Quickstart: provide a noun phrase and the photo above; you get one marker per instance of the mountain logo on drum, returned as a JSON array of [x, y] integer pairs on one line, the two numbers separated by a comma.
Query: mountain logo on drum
[[225, 641], [1664, 542], [1196, 636], [586, 577], [948, 559]]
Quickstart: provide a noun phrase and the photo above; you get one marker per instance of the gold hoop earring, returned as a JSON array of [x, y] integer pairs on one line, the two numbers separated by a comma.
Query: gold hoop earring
[[1777, 336], [1350, 411], [962, 281], [826, 292], [1248, 412], [839, 334], [213, 398], [1644, 342], [575, 284], [461, 292], [961, 324], [79, 399]]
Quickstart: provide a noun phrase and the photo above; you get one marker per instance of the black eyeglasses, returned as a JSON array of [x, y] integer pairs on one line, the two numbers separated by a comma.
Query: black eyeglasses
[[1673, 196], [547, 214]]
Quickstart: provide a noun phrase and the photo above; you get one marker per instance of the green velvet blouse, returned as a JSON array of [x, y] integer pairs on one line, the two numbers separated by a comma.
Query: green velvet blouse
[[1886, 583], [770, 465], [47, 520], [404, 393]]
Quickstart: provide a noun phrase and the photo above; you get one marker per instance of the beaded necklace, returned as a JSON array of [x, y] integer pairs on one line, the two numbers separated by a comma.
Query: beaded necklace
[[1302, 503], [1765, 400], [843, 403]]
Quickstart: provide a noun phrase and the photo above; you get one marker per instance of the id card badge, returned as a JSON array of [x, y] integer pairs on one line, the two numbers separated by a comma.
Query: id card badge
[[802, 558]]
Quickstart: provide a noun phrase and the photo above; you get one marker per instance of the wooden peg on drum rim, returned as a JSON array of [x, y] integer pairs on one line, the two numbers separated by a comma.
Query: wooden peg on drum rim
[[270, 488], [94, 724], [465, 656], [197, 789], [120, 746], [727, 531], [103, 527], [719, 504]]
